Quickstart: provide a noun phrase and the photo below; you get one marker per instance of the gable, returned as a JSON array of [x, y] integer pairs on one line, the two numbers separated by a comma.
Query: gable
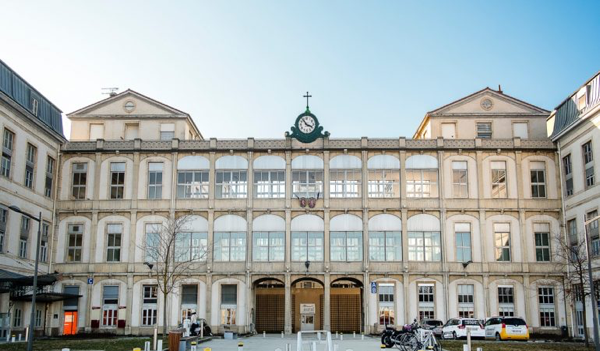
[[116, 106], [477, 104]]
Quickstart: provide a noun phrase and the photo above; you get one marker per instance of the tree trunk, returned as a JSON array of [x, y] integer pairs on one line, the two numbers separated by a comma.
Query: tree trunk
[[165, 315]]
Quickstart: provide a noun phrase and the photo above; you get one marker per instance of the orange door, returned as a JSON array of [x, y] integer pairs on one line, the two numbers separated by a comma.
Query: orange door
[[70, 324]]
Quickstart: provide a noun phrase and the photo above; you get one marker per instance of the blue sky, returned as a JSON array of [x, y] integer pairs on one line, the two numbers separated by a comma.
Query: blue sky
[[240, 68]]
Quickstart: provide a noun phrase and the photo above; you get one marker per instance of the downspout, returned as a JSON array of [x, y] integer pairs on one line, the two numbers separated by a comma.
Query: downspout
[[566, 236], [53, 230]]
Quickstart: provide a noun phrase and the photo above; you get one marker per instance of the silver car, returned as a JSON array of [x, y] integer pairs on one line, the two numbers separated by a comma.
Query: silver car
[[434, 325]]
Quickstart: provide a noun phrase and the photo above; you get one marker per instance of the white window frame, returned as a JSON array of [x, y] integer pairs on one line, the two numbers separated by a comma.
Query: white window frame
[[499, 178], [424, 246], [197, 188], [345, 183], [269, 188], [340, 248], [154, 184], [76, 180], [268, 246], [229, 249], [113, 251], [149, 305], [466, 300], [380, 185], [119, 185], [500, 247], [426, 300], [311, 186], [506, 301], [390, 249], [307, 246], [547, 312], [235, 187]]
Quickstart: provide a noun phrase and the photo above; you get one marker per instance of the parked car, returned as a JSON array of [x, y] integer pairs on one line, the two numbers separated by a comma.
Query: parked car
[[432, 324], [457, 328], [506, 328]]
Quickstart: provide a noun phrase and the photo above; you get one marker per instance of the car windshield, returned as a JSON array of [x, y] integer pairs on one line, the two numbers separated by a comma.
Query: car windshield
[[434, 323], [470, 322], [514, 321]]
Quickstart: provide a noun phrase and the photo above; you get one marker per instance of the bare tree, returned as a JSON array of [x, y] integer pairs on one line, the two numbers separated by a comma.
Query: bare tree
[[172, 250], [572, 258]]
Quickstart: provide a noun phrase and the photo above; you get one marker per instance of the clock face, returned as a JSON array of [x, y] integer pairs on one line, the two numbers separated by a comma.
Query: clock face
[[307, 124]]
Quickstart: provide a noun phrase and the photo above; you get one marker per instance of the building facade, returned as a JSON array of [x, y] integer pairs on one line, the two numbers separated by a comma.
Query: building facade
[[573, 126], [31, 128], [338, 234]]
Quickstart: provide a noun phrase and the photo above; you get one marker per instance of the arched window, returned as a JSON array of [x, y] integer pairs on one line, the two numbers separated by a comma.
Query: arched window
[[269, 177], [424, 242], [307, 176], [421, 176], [230, 239], [232, 177], [192, 177], [385, 238], [307, 238], [345, 176], [346, 238], [192, 240], [268, 238], [384, 176]]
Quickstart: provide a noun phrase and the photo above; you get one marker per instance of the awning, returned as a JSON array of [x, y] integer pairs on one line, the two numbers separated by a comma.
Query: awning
[[46, 297]]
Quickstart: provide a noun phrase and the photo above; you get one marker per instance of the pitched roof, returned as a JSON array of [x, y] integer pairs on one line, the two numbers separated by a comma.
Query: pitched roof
[[120, 95]]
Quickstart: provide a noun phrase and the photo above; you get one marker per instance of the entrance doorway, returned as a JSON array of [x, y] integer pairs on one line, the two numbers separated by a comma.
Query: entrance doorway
[[346, 305], [70, 323], [270, 305], [307, 302]]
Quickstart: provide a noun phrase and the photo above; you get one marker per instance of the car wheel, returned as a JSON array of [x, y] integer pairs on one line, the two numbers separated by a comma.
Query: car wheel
[[498, 338]]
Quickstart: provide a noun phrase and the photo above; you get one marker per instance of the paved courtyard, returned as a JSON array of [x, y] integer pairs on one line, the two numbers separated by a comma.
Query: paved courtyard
[[272, 343]]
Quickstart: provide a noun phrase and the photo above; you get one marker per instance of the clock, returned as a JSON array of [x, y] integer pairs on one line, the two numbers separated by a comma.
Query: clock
[[307, 128]]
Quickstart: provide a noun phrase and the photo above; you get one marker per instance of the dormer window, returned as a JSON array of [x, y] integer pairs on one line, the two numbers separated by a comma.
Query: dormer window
[[34, 106]]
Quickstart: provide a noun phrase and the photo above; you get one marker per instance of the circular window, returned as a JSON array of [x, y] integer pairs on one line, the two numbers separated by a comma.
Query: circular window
[[129, 106], [487, 104]]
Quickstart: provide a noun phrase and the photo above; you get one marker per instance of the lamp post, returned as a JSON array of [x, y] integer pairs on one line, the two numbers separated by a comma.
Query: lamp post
[[35, 272], [592, 287]]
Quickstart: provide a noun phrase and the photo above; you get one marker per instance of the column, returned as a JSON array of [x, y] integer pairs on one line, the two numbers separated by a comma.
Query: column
[[209, 301], [288, 304], [366, 295], [327, 302], [129, 300], [326, 179]]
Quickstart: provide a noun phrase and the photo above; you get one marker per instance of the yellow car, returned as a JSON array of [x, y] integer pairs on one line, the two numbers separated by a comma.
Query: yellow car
[[506, 328]]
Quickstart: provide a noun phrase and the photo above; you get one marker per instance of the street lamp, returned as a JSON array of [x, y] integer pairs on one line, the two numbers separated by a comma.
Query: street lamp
[[35, 272], [592, 288]]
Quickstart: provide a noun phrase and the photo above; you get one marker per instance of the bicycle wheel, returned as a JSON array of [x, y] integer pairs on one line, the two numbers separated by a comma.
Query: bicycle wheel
[[410, 342]]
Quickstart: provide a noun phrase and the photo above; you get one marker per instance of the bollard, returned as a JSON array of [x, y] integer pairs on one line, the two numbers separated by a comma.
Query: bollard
[[337, 336], [13, 338], [26, 333], [240, 346], [335, 347], [19, 337], [465, 347], [282, 335], [362, 336], [383, 346], [147, 346], [288, 347], [155, 339], [313, 346], [319, 336], [207, 349], [342, 336], [137, 349], [193, 346], [264, 334], [480, 349], [66, 350], [354, 335], [468, 339], [159, 345]]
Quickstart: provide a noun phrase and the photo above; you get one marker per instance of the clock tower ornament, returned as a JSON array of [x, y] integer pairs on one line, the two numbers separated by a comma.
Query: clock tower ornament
[[307, 128]]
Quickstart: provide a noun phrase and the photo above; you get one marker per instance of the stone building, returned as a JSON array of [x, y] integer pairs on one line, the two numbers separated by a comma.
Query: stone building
[[308, 231], [573, 126], [31, 128]]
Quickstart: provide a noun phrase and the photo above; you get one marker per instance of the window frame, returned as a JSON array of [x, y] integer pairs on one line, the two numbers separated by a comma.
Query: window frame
[[503, 246], [8, 144], [113, 252], [496, 180], [463, 248], [239, 249], [76, 248], [80, 186], [155, 187], [395, 248], [382, 185], [274, 252], [343, 186], [30, 162], [270, 184], [342, 246], [317, 249], [310, 189], [202, 185], [435, 252], [587, 156], [418, 183], [231, 189], [568, 173], [119, 185]]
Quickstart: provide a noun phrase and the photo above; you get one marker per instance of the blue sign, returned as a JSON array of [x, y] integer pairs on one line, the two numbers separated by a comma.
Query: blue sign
[[373, 288], [90, 281]]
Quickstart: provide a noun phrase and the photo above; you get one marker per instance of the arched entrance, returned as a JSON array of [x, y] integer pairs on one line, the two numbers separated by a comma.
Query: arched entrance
[[307, 302], [269, 305], [346, 305]]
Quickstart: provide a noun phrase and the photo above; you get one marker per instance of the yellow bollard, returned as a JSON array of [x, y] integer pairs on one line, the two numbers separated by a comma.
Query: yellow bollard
[[382, 346], [207, 349], [137, 349]]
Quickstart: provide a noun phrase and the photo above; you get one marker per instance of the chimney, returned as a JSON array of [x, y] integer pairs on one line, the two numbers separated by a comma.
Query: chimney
[[500, 89]]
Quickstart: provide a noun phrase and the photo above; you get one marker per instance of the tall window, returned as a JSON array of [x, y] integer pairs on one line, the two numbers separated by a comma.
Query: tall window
[[153, 231], [167, 131], [588, 162], [506, 301], [230, 246], [228, 304], [30, 165], [502, 242], [3, 221], [344, 182], [110, 305], [71, 304], [542, 241], [191, 247], [466, 301], [268, 246], [38, 318], [484, 130], [7, 150], [149, 307], [23, 248], [117, 180], [592, 229], [113, 243], [192, 184], [426, 301], [79, 180], [499, 190], [49, 176], [386, 304], [346, 246], [231, 184], [572, 230], [155, 175], [17, 318], [44, 242], [546, 301], [538, 179], [385, 246], [269, 184], [424, 246], [189, 301], [307, 246], [25, 228], [307, 183], [460, 185], [568, 170], [384, 183], [74, 242], [463, 241], [421, 183]]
